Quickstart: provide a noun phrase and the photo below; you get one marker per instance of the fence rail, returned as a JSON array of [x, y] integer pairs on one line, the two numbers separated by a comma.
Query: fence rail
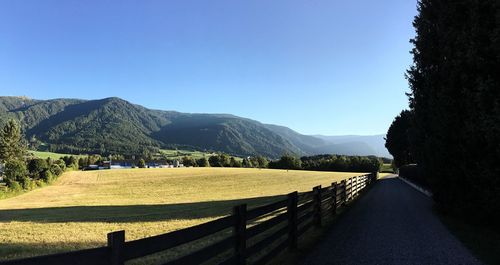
[[271, 229]]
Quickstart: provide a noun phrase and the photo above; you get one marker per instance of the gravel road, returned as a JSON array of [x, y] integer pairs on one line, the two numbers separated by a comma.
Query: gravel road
[[391, 224]]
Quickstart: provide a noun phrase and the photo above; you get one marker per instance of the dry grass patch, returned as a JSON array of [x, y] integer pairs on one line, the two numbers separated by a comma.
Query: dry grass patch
[[82, 207]]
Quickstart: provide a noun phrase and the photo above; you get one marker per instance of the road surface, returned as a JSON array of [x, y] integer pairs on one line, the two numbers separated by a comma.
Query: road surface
[[391, 224]]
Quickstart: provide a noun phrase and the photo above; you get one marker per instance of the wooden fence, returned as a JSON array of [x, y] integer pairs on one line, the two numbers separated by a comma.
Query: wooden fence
[[271, 228]]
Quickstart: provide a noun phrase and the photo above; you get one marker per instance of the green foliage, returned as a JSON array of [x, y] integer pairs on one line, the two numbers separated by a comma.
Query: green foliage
[[71, 162], [342, 163], [82, 162], [37, 166], [286, 162], [141, 163], [259, 162], [247, 163], [14, 186], [47, 176], [203, 162], [188, 161], [220, 160], [455, 98], [12, 144], [398, 139], [414, 174], [15, 171], [235, 163], [56, 170]]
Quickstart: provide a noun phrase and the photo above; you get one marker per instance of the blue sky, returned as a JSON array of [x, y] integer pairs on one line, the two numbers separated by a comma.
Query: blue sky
[[320, 67]]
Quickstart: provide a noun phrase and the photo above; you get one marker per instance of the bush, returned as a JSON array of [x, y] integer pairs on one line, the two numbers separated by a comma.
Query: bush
[[28, 184], [203, 162], [61, 164], [47, 176], [14, 186], [15, 170], [414, 174], [56, 170], [188, 161], [37, 166]]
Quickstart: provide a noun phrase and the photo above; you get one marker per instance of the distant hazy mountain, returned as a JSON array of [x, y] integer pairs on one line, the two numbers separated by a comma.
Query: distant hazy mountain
[[359, 144], [113, 125]]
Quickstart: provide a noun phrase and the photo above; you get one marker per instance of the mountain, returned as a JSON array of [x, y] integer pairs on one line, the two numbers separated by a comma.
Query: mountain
[[358, 144], [113, 125]]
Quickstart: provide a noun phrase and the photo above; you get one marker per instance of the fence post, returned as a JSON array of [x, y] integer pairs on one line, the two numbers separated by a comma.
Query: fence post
[[240, 226], [357, 186], [334, 198], [344, 192], [349, 192], [317, 206], [116, 241], [292, 220], [354, 187]]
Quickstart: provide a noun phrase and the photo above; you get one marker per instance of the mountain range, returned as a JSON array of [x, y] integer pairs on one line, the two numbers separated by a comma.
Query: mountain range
[[113, 125]]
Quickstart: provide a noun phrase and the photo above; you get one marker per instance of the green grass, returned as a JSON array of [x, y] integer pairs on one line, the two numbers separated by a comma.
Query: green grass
[[45, 155], [178, 154], [80, 208], [386, 168]]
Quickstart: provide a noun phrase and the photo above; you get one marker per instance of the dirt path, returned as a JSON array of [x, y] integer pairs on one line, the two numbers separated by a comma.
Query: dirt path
[[391, 224]]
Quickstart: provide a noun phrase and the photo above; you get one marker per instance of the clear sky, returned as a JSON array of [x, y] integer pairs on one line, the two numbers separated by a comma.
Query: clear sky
[[317, 66]]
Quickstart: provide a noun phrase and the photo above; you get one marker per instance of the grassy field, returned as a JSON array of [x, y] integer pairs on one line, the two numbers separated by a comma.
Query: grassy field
[[45, 155], [82, 207], [387, 168], [178, 154]]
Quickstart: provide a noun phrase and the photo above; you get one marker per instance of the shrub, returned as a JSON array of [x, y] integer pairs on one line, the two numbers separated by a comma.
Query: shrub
[[56, 170], [413, 173], [28, 184], [15, 170], [37, 166], [47, 176], [203, 162], [14, 186]]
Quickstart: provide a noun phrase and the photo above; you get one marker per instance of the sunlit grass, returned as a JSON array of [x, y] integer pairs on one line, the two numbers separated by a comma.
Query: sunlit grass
[[82, 207], [45, 155]]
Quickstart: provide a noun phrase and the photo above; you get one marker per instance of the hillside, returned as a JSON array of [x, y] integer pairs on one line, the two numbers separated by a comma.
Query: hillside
[[358, 144], [113, 125]]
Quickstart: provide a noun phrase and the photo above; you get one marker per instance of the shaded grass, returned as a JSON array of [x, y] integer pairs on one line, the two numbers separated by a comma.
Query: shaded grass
[[483, 242], [80, 208]]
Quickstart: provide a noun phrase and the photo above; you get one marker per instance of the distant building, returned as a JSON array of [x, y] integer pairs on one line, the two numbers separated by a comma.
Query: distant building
[[105, 165], [132, 163], [92, 167], [122, 164]]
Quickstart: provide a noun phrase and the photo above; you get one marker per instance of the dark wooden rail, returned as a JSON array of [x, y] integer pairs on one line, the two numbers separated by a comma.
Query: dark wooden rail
[[257, 235]]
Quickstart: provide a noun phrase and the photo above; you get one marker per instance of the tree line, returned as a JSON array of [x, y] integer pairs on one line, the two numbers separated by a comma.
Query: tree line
[[452, 128]]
